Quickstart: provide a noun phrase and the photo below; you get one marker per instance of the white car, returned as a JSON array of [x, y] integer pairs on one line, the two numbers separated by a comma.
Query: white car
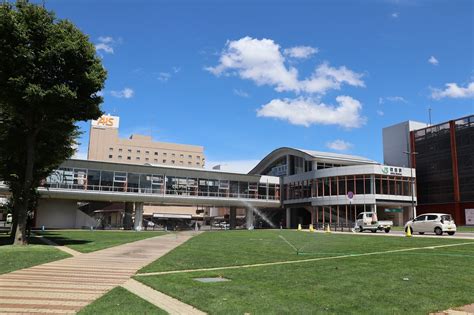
[[432, 222]]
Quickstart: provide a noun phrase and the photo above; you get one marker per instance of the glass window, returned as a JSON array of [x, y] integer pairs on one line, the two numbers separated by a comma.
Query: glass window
[[120, 150], [129, 157], [138, 151], [326, 186], [133, 182], [350, 184], [145, 183], [342, 185], [106, 179], [385, 186], [333, 186], [147, 152], [93, 178], [156, 153], [431, 217], [359, 185], [110, 156], [368, 185]]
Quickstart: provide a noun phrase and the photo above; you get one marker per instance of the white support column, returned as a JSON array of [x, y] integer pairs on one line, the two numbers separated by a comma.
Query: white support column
[[137, 225], [249, 219]]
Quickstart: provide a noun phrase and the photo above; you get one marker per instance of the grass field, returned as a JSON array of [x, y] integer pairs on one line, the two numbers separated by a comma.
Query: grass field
[[86, 241], [18, 257], [412, 282], [120, 301]]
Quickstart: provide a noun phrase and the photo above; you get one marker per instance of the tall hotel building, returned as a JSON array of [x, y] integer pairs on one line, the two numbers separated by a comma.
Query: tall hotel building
[[106, 145]]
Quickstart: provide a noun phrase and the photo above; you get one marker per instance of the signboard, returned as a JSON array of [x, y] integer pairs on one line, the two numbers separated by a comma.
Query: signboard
[[469, 216], [106, 121], [350, 195], [390, 170], [393, 210]]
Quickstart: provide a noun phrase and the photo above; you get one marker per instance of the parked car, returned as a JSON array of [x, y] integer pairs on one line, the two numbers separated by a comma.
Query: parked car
[[438, 223]]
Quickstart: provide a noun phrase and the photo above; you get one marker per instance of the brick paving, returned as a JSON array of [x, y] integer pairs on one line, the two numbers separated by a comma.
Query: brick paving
[[65, 286]]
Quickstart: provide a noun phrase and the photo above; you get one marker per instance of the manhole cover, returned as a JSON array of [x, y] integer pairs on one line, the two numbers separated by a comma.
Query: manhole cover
[[209, 280]]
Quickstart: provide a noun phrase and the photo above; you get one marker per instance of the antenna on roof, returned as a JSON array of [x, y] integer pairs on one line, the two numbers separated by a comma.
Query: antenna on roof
[[429, 114]]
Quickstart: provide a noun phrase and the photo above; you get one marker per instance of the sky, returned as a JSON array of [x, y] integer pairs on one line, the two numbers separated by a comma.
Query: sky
[[242, 78]]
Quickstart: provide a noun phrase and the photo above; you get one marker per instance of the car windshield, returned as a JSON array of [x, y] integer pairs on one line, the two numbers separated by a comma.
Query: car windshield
[[446, 217]]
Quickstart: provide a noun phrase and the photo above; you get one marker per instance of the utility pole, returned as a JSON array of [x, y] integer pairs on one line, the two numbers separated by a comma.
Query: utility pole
[[411, 156]]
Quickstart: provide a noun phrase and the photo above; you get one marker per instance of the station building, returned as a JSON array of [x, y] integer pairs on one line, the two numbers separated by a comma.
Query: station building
[[316, 187]]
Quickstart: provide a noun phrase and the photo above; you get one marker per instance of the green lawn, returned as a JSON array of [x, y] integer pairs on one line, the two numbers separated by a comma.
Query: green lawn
[[228, 248], [86, 241], [437, 279], [18, 257], [121, 301]]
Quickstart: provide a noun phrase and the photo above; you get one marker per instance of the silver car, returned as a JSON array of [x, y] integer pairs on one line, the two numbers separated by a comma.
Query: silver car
[[438, 223]]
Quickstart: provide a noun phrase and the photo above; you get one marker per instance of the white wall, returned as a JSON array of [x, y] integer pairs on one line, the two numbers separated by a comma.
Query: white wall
[[396, 140], [56, 213]]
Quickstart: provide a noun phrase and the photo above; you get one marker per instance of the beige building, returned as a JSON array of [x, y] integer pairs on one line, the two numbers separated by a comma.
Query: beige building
[[106, 145]]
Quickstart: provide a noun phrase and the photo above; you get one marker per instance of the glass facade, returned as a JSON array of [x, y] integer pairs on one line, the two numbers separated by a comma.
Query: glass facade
[[341, 185], [103, 180]]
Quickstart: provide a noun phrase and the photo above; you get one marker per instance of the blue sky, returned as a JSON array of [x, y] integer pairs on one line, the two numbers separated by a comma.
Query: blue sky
[[244, 78]]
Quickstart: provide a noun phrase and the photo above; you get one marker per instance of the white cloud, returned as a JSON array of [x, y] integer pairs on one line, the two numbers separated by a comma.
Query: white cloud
[[339, 145], [241, 93], [124, 93], [164, 76], [262, 62], [433, 61], [452, 90], [380, 113], [301, 52], [393, 99], [238, 166], [307, 111], [176, 69], [106, 44], [395, 15]]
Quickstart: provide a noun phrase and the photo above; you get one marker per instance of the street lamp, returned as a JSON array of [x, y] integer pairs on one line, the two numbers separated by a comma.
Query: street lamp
[[410, 156]]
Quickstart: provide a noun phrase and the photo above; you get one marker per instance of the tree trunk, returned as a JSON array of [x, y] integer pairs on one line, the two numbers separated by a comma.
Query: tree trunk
[[20, 207]]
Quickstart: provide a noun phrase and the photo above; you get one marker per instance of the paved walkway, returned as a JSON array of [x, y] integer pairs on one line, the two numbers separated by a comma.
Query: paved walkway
[[163, 301], [65, 286]]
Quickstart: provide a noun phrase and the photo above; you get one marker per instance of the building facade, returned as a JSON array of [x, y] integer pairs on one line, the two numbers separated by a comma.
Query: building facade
[[106, 145], [444, 163], [396, 142], [328, 188]]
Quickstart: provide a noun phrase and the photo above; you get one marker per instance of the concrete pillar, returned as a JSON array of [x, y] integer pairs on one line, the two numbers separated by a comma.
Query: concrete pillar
[[288, 218], [313, 215], [138, 216], [232, 217], [127, 219], [249, 218]]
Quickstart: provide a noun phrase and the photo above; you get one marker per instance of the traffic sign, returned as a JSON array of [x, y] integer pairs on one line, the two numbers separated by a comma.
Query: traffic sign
[[350, 195]]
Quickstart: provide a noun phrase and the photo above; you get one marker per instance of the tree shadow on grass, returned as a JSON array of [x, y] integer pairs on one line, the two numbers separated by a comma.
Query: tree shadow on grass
[[33, 240]]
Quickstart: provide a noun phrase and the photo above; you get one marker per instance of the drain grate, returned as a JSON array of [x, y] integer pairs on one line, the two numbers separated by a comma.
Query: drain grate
[[211, 280]]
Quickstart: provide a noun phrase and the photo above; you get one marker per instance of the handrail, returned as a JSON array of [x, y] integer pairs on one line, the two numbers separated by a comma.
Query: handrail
[[159, 191]]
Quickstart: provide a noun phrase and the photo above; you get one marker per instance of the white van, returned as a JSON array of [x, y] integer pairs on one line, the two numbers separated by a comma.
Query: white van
[[438, 223]]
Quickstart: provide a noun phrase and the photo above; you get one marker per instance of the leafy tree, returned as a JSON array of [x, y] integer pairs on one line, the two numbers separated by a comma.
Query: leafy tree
[[49, 79]]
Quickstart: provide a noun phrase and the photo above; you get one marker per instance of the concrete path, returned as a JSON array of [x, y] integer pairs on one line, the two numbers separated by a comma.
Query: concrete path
[[65, 286], [163, 301], [65, 249]]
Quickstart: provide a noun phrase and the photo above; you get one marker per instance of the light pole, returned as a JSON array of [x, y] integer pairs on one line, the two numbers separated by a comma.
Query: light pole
[[410, 157]]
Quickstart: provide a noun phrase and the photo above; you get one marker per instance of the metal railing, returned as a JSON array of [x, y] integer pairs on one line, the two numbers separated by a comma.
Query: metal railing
[[156, 191]]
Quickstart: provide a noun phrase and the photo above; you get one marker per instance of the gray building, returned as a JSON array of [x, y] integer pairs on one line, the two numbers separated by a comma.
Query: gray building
[[396, 141]]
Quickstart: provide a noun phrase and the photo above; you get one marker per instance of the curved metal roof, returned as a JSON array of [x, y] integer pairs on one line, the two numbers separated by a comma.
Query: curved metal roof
[[309, 155]]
